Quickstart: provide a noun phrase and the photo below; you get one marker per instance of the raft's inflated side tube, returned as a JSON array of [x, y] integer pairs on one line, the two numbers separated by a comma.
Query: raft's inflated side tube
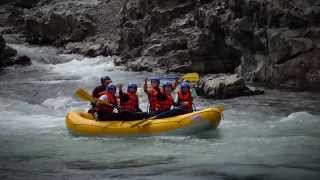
[[84, 124]]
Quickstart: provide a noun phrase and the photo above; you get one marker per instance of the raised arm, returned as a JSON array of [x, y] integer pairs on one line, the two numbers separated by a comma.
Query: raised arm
[[145, 86], [175, 84], [120, 89]]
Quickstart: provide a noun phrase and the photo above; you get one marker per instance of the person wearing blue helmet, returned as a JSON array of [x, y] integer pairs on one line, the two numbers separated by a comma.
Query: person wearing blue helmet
[[107, 103], [164, 99], [154, 90], [185, 99], [129, 104]]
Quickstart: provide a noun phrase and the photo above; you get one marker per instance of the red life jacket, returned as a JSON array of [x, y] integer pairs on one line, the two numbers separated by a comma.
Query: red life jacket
[[152, 96], [112, 99], [186, 97], [131, 104], [165, 105]]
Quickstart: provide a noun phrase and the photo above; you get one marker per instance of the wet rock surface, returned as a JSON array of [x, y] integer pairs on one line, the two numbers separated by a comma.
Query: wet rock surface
[[264, 41], [78, 26], [8, 55], [276, 42], [222, 86]]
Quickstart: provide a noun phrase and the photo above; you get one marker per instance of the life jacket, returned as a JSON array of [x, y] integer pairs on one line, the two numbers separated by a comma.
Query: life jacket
[[185, 97], [152, 96], [112, 99], [131, 104], [164, 105]]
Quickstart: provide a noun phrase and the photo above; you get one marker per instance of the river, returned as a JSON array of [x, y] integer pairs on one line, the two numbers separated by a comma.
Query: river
[[270, 136]]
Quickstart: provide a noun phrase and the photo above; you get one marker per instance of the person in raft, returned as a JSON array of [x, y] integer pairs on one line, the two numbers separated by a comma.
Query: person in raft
[[107, 104], [129, 104], [164, 103], [105, 81], [184, 98], [154, 91]]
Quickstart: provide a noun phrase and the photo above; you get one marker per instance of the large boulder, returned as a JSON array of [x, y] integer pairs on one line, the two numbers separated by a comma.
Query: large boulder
[[222, 86], [8, 55], [58, 27], [26, 3], [6, 52]]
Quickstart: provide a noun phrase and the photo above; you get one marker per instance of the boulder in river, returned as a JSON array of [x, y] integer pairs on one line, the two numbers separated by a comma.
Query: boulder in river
[[6, 52], [222, 86], [8, 55]]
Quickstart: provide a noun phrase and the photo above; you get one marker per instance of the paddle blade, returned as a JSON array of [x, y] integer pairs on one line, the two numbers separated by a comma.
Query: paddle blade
[[191, 77], [84, 95]]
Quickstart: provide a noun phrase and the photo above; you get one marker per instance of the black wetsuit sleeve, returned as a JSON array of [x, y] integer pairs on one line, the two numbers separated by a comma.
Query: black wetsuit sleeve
[[97, 91]]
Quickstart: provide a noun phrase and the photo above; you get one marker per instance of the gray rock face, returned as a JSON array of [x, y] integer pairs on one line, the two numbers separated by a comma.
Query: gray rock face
[[221, 86], [79, 26], [170, 36], [260, 40], [8, 55], [59, 23], [6, 52]]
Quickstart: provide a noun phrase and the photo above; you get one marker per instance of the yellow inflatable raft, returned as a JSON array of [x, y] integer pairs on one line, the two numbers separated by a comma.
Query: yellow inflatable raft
[[81, 123]]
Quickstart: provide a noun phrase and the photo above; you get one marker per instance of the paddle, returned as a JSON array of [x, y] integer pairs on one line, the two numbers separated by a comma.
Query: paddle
[[154, 117], [190, 77], [84, 95]]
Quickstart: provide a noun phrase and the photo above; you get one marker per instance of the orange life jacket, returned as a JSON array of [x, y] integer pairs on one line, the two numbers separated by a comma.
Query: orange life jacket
[[164, 105], [112, 99], [131, 104], [185, 97], [152, 96]]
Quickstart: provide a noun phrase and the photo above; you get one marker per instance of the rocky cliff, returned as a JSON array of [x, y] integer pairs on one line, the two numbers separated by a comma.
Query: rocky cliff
[[89, 27], [274, 41]]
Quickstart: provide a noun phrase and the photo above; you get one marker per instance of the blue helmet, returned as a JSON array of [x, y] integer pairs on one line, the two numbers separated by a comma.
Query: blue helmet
[[132, 86], [155, 78], [185, 85], [111, 87], [169, 84]]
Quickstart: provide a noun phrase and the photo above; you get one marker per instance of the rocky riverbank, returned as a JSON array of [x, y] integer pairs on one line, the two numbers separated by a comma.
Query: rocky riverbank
[[88, 27], [276, 42], [267, 41]]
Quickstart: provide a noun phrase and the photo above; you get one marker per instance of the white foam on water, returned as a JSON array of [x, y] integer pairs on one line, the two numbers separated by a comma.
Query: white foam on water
[[59, 102], [298, 116], [86, 68]]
